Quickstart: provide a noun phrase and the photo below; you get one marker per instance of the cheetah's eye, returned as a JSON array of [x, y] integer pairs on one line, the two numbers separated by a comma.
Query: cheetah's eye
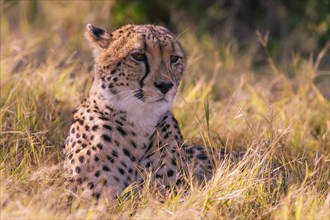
[[174, 59], [139, 56]]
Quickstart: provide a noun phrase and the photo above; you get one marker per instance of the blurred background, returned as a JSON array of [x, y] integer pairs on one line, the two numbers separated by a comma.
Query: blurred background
[[300, 26]]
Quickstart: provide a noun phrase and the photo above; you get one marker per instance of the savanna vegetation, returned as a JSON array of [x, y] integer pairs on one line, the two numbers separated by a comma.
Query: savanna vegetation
[[257, 80]]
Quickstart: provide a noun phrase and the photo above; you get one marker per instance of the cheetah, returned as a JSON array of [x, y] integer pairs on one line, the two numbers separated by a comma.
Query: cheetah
[[125, 129]]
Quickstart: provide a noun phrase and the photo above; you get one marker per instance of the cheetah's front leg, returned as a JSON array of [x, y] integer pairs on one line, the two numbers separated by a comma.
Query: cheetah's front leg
[[163, 155], [170, 160]]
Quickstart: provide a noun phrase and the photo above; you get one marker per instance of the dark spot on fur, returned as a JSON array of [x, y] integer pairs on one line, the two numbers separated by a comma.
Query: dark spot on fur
[[126, 152], [200, 148], [81, 159], [96, 158], [201, 156], [165, 117], [103, 182], [123, 163], [79, 181], [110, 158], [108, 127], [121, 171], [105, 168], [164, 129], [121, 131], [116, 178], [133, 143], [106, 137], [170, 173], [190, 151], [119, 122], [97, 173], [99, 146], [96, 195], [77, 169], [90, 185], [104, 118], [148, 164], [114, 153]]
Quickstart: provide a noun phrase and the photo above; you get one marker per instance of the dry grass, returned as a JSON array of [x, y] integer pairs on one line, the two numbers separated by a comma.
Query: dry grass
[[223, 101]]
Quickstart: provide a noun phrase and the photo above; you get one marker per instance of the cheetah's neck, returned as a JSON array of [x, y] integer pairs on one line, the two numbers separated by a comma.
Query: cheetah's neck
[[142, 116]]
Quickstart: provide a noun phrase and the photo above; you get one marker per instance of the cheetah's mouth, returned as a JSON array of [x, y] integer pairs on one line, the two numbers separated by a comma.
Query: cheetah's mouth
[[161, 100]]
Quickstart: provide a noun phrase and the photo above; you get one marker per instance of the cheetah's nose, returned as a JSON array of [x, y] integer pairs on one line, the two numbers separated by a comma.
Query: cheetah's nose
[[164, 87]]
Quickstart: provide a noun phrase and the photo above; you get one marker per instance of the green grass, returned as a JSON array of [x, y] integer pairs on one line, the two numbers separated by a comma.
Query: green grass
[[224, 101]]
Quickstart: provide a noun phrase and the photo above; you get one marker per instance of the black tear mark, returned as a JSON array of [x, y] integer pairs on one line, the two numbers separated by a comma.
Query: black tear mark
[[145, 61]]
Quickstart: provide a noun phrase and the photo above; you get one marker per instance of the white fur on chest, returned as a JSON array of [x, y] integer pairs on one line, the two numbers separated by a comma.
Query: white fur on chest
[[141, 117]]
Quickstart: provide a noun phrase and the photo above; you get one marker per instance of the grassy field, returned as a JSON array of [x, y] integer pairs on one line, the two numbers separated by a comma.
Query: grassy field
[[224, 100]]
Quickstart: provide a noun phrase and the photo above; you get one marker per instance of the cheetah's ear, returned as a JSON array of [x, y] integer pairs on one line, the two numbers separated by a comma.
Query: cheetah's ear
[[98, 38]]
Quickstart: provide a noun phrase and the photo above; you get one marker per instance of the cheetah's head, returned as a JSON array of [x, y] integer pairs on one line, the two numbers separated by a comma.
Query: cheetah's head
[[137, 67]]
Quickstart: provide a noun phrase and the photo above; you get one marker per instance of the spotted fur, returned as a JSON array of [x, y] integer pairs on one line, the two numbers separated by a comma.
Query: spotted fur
[[124, 129]]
